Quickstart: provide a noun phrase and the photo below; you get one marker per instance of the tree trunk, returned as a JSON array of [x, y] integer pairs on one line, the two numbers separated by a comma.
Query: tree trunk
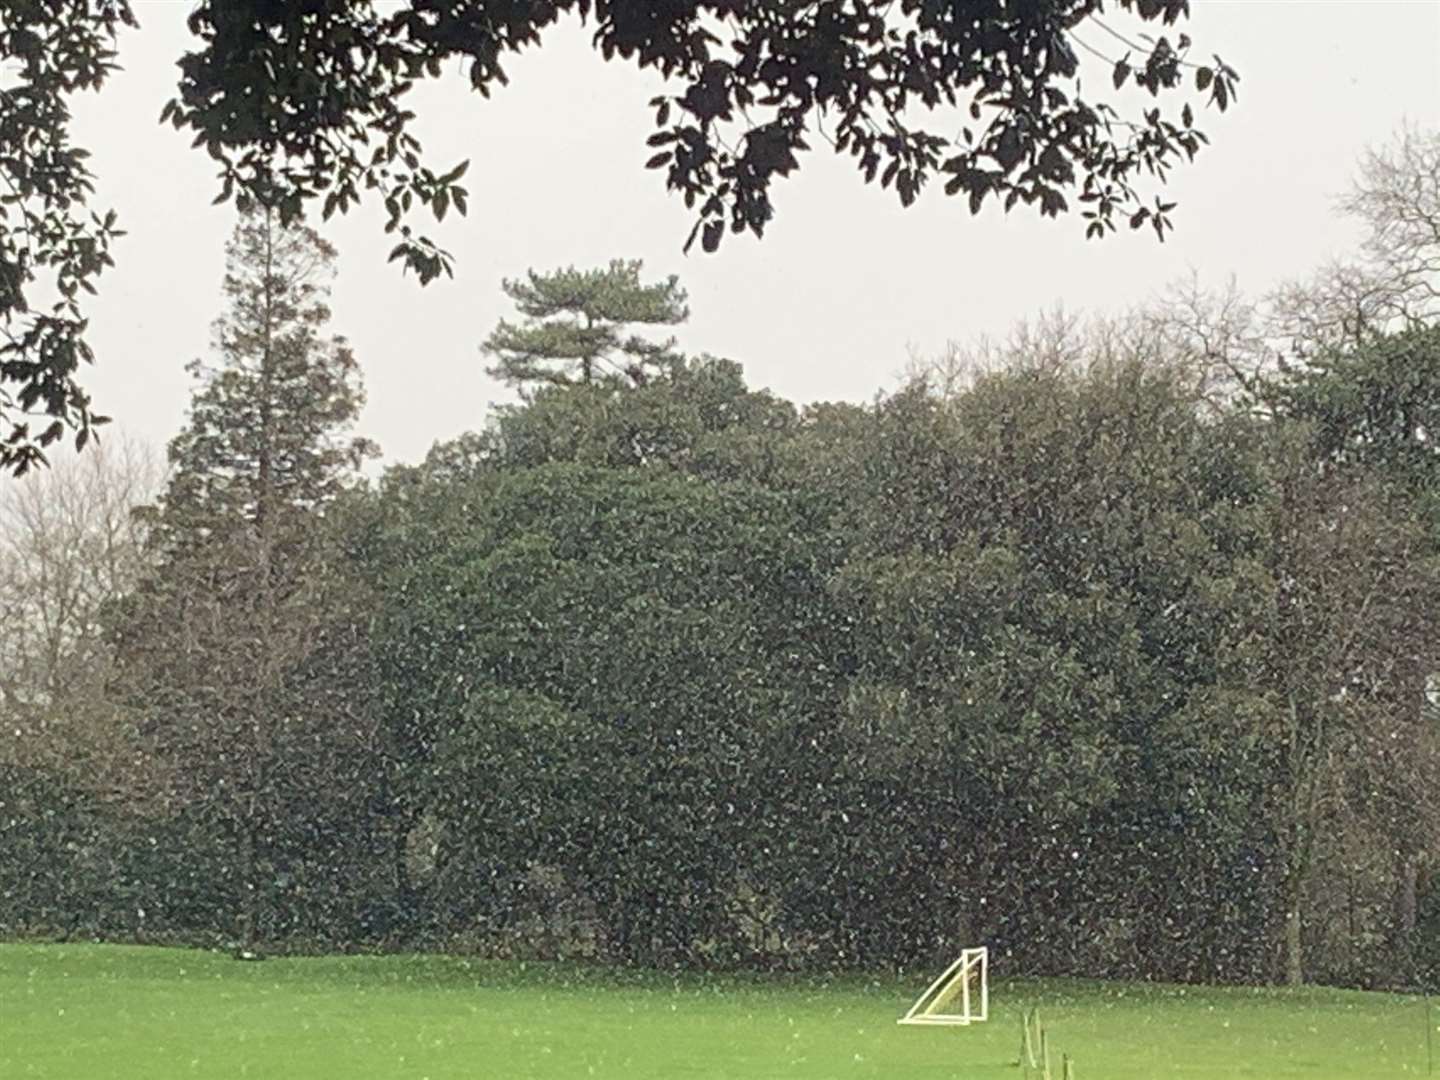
[[1294, 958], [249, 843], [406, 894], [1294, 923], [249, 899], [1403, 909], [250, 928], [1301, 837], [1405, 898]]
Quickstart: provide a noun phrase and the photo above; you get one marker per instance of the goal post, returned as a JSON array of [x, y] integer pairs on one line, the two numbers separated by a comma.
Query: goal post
[[961, 994]]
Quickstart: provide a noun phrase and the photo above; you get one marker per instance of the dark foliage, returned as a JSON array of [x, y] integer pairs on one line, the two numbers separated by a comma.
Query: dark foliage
[[305, 105]]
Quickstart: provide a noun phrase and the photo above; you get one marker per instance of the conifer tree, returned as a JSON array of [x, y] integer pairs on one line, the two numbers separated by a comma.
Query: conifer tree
[[267, 436], [247, 593], [575, 328]]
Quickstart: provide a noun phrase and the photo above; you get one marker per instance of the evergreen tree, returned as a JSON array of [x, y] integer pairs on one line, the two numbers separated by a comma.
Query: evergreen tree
[[221, 644], [575, 325], [267, 437]]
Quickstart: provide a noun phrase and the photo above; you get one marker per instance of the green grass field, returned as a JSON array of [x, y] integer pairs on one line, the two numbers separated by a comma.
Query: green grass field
[[88, 1011]]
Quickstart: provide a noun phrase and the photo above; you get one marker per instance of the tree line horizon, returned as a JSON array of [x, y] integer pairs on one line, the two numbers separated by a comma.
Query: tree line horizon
[[1111, 646]]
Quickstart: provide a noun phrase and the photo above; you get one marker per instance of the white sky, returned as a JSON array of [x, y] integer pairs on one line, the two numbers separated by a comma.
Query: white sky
[[823, 308]]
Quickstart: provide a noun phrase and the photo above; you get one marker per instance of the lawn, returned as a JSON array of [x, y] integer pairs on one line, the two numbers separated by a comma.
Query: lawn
[[83, 1011]]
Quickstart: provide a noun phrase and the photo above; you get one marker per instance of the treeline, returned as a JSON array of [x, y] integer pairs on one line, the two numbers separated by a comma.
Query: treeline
[[1064, 663], [1083, 653], [680, 674]]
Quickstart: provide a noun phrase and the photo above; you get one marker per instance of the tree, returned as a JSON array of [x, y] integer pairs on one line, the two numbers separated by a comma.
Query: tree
[[301, 135], [698, 417], [52, 248], [220, 642], [1241, 348], [1374, 407], [267, 442], [306, 105], [574, 329], [1026, 552], [1397, 196], [1323, 647], [569, 649], [69, 549], [1375, 404], [1394, 281]]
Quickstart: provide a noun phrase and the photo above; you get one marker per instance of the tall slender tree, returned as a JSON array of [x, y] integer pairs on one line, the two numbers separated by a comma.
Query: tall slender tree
[[248, 591], [268, 435]]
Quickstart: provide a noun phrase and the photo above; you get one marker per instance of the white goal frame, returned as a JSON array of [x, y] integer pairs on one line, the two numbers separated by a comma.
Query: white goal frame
[[933, 1007]]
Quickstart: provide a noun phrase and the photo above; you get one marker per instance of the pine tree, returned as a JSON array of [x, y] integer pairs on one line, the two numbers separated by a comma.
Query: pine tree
[[575, 326], [248, 592]]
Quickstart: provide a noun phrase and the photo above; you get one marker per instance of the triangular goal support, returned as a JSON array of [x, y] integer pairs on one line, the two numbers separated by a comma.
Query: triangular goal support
[[961, 995]]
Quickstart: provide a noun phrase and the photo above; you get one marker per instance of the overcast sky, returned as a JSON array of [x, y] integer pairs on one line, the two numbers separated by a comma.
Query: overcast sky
[[825, 307]]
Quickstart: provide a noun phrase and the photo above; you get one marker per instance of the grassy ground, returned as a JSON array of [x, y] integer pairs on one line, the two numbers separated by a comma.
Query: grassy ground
[[85, 1011]]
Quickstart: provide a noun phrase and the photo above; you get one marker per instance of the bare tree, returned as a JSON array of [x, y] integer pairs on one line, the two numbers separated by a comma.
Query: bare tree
[[1229, 342], [1218, 335], [1394, 281], [69, 546], [1214, 338], [1398, 198], [1055, 339]]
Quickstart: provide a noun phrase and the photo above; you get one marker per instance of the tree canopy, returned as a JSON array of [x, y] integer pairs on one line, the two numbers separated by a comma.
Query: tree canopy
[[574, 327], [304, 105]]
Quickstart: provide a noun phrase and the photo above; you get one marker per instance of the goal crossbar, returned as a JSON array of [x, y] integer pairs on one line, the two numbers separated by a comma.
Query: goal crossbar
[[964, 984]]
